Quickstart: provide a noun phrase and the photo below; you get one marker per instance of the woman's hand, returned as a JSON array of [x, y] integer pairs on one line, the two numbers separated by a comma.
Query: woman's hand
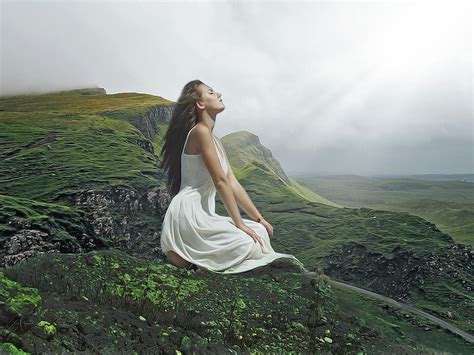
[[268, 226], [251, 233]]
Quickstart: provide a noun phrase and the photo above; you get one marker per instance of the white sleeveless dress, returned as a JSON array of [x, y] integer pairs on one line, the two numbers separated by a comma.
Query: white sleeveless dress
[[193, 229]]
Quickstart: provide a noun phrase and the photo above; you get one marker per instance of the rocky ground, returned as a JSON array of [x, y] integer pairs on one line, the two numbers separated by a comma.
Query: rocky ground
[[108, 301], [439, 282]]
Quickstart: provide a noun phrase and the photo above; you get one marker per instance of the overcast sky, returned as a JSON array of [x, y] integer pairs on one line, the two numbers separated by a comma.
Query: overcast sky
[[351, 87]]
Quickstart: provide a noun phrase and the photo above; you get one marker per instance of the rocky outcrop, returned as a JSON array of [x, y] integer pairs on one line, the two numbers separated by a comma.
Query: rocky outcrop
[[443, 278], [130, 219], [148, 123], [92, 91], [83, 91], [249, 150], [392, 275], [455, 262], [126, 218], [31, 228], [401, 272], [27, 243]]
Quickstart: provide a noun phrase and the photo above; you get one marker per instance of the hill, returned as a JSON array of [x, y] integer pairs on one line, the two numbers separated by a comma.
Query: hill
[[445, 200]]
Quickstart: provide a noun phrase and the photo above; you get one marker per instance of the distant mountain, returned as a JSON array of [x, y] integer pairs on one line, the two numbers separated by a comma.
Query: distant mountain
[[446, 202], [251, 160], [443, 177]]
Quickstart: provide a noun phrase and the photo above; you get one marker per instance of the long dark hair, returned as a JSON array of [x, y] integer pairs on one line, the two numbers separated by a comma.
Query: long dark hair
[[183, 118]]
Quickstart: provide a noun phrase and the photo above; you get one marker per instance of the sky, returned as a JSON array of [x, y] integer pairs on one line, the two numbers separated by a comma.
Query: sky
[[330, 87]]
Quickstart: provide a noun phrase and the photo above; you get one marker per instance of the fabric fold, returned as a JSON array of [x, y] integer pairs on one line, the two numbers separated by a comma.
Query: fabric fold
[[193, 229]]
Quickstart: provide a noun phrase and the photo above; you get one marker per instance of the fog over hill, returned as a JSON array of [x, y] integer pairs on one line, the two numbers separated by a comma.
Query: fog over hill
[[331, 87]]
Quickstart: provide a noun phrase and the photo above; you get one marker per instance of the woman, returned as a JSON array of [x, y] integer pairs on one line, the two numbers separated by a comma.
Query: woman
[[193, 235]]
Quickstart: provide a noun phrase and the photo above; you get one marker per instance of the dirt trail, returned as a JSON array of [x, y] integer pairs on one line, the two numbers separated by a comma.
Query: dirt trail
[[466, 336]]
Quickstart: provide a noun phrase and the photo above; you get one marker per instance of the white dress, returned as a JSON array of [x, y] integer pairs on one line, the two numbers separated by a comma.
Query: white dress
[[193, 229]]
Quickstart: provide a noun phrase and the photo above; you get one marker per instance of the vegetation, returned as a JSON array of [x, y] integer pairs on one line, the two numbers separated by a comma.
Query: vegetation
[[447, 203]]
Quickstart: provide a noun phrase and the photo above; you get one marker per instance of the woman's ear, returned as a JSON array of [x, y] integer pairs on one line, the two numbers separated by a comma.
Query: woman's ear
[[199, 105]]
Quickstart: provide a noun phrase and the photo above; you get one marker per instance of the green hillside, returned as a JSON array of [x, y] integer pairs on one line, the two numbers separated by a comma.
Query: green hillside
[[447, 203], [59, 143], [248, 156], [79, 178]]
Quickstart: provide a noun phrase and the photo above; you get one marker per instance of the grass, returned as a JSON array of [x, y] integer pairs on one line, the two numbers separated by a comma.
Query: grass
[[448, 204]]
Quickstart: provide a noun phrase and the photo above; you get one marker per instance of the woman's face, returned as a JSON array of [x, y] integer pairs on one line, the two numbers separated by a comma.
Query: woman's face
[[211, 101]]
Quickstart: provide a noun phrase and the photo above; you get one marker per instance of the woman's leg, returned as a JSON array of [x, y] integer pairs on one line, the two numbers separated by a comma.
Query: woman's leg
[[176, 260]]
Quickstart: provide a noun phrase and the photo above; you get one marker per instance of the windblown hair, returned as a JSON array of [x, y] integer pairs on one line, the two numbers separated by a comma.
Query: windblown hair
[[183, 118]]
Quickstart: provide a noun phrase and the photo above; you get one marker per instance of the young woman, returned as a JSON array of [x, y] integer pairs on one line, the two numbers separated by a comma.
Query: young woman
[[193, 235]]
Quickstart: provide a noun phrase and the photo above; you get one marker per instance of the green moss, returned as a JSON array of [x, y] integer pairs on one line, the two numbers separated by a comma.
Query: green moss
[[18, 299], [99, 260], [186, 343], [225, 308], [11, 349], [48, 329]]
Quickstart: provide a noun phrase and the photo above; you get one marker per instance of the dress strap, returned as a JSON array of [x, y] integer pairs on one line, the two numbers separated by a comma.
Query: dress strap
[[219, 151], [186, 140]]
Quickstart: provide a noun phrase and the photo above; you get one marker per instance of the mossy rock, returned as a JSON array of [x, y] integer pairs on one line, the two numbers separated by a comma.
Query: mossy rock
[[122, 303], [16, 302], [9, 348]]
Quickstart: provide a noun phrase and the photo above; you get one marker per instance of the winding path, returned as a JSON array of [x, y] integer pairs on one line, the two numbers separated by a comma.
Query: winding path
[[465, 335]]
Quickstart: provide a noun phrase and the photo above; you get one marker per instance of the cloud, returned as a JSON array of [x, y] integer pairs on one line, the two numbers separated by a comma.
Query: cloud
[[354, 87]]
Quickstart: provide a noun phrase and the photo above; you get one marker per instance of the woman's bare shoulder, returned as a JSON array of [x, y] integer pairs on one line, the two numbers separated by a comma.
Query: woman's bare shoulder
[[202, 130], [202, 139]]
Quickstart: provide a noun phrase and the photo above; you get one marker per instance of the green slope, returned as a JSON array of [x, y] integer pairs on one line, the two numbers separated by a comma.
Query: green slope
[[447, 203], [246, 154], [59, 143]]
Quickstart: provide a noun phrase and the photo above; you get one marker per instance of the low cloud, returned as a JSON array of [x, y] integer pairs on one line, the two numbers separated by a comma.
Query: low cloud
[[338, 87]]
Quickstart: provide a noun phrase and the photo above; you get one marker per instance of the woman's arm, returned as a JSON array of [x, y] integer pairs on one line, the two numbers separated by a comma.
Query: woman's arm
[[243, 199], [213, 165], [240, 194]]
